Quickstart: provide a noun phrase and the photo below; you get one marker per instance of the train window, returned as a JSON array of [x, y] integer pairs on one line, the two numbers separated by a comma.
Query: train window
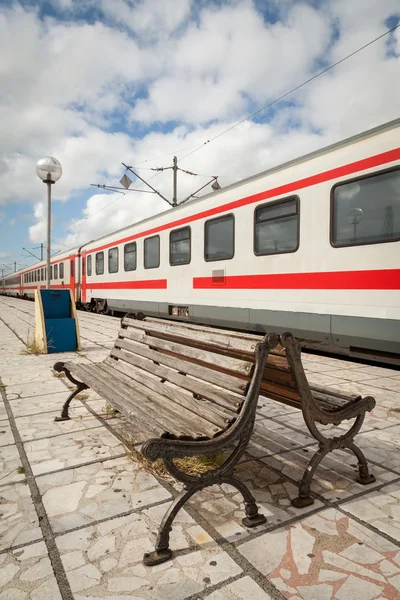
[[72, 267], [89, 265], [61, 270], [55, 271], [179, 246], [152, 252], [130, 259], [276, 227], [219, 238], [51, 271], [366, 210], [113, 260], [83, 266], [99, 263], [42, 274]]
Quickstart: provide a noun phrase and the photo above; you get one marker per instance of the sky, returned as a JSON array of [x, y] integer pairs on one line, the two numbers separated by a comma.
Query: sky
[[98, 83]]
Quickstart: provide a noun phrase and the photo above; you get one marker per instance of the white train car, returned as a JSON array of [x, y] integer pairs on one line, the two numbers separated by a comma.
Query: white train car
[[312, 246], [10, 285], [64, 274]]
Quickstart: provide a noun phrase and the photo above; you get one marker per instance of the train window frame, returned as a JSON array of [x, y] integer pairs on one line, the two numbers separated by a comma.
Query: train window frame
[[221, 218], [61, 270], [56, 271], [108, 259], [152, 237], [96, 263], [88, 265], [275, 203], [332, 206], [125, 253], [179, 229]]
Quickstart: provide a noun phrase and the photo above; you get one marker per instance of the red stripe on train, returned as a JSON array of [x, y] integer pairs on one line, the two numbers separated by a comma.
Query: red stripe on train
[[349, 169], [385, 279], [149, 284]]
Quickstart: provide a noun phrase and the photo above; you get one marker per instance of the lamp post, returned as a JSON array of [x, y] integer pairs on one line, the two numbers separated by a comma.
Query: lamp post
[[49, 170]]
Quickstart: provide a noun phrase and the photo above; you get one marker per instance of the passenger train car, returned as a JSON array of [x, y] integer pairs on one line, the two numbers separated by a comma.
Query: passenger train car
[[312, 246]]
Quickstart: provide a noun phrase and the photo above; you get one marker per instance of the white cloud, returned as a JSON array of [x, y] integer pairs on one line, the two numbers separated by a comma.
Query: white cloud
[[179, 77]]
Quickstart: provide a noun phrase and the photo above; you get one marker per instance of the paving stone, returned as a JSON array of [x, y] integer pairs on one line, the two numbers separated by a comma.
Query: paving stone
[[42, 425], [39, 405], [3, 412], [270, 437], [6, 436], [18, 522], [328, 571], [222, 506], [71, 449], [10, 465], [113, 553], [30, 390], [382, 446], [335, 477], [381, 509], [89, 493], [27, 574]]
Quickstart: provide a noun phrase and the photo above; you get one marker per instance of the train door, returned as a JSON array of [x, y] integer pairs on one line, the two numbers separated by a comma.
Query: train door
[[72, 276]]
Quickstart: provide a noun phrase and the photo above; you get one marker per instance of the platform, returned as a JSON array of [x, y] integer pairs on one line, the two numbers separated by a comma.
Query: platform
[[77, 513]]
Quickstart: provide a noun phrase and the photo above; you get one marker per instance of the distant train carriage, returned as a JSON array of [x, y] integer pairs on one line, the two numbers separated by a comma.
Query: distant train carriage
[[311, 246]]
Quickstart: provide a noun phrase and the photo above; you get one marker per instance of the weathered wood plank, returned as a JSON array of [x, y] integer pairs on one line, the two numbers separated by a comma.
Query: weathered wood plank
[[279, 390], [219, 396], [204, 410], [104, 386], [332, 392], [243, 335], [203, 357], [197, 337], [229, 382], [185, 421]]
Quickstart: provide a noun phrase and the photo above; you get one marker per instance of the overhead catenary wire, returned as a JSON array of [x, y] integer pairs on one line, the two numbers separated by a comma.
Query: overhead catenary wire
[[291, 91], [258, 111]]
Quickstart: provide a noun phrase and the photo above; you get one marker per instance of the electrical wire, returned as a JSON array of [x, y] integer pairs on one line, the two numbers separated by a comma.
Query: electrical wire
[[198, 147], [291, 91]]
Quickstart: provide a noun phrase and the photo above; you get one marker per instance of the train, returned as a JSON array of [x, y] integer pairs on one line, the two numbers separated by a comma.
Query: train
[[311, 246]]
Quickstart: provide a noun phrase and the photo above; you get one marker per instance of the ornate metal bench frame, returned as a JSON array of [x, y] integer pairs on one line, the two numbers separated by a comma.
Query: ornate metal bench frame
[[313, 413]]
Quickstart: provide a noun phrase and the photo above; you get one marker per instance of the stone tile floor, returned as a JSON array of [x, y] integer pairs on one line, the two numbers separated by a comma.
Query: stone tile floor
[[76, 513]]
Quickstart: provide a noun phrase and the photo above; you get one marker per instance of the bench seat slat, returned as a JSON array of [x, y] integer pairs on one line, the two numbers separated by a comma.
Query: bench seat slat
[[228, 401], [178, 419], [139, 404], [204, 410], [208, 374], [93, 376], [204, 357]]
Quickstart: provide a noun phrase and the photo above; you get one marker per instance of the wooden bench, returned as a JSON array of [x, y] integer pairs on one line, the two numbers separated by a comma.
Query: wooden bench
[[194, 391]]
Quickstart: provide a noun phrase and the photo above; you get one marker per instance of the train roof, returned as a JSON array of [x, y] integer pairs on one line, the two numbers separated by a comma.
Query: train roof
[[306, 157]]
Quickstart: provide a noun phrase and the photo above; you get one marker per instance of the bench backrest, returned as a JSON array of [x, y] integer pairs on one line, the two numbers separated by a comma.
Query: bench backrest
[[213, 357]]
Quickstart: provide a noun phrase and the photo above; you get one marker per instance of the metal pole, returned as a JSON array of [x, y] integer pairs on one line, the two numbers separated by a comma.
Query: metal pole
[[48, 233], [41, 251], [15, 266], [175, 170]]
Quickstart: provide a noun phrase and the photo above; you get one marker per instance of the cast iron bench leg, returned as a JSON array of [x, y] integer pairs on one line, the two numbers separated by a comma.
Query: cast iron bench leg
[[59, 367]]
